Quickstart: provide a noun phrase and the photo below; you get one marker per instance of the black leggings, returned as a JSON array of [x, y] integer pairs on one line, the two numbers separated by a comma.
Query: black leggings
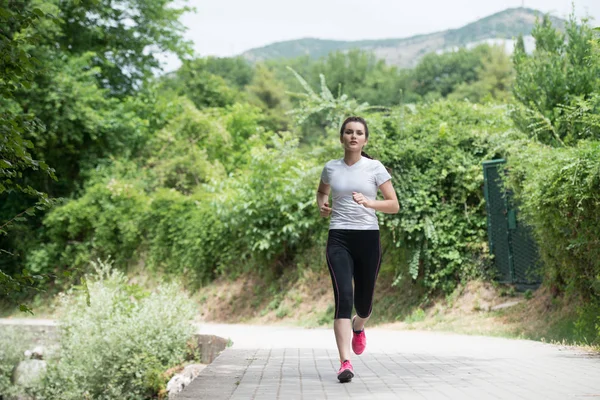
[[353, 254]]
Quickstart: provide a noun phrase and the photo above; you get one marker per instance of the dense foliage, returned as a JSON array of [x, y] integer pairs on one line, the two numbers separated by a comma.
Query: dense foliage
[[17, 126], [560, 196], [557, 87], [435, 152], [69, 70], [211, 170], [361, 76], [557, 175]]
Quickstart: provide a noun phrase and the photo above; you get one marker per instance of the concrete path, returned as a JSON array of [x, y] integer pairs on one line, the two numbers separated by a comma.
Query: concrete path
[[293, 363]]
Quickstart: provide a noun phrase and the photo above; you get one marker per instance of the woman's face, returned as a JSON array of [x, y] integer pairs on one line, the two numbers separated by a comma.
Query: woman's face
[[354, 138]]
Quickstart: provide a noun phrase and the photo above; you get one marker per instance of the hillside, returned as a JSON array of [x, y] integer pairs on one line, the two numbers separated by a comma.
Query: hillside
[[499, 28]]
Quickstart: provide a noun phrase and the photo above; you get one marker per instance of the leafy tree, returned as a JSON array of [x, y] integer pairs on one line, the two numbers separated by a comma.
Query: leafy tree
[[361, 76], [93, 53], [181, 210], [68, 68], [302, 65], [269, 93], [442, 73], [185, 153], [236, 71], [324, 109], [197, 146], [482, 73], [494, 79], [559, 191], [19, 68], [557, 85], [83, 122], [87, 54], [125, 37], [211, 81], [555, 175], [356, 73], [204, 88]]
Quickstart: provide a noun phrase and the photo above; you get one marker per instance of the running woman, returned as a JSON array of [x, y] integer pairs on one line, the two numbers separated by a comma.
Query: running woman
[[353, 246]]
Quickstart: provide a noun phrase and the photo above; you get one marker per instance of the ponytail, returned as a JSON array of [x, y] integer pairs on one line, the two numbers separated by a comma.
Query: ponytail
[[362, 153]]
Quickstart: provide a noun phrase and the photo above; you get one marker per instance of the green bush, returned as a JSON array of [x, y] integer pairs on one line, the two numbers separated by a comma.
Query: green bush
[[558, 187], [119, 345], [185, 236], [435, 153], [104, 222], [196, 224], [269, 209], [559, 193], [587, 325]]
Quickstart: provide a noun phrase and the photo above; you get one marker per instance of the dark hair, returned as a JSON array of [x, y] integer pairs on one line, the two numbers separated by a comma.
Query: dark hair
[[362, 121]]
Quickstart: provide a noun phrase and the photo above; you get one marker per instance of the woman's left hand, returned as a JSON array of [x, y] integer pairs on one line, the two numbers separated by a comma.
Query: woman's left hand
[[361, 199]]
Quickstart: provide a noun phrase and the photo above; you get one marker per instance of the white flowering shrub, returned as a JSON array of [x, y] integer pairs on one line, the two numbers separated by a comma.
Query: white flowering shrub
[[13, 343], [118, 342]]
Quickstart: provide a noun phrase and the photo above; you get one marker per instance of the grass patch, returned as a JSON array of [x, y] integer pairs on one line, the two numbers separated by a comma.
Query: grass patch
[[417, 315]]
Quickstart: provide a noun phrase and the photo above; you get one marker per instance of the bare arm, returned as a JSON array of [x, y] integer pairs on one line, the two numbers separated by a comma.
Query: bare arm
[[323, 199], [388, 205]]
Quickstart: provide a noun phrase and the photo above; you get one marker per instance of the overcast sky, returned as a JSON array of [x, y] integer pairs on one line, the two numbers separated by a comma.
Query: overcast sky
[[229, 27]]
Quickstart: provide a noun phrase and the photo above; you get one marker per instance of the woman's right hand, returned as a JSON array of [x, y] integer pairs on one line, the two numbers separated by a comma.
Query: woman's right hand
[[325, 210]]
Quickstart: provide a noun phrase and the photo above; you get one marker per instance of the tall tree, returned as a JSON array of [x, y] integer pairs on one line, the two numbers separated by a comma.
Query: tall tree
[[494, 79], [70, 71], [18, 69], [125, 36], [442, 73], [557, 86]]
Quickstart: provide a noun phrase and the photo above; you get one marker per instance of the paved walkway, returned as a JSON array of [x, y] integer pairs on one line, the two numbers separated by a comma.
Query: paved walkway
[[292, 363]]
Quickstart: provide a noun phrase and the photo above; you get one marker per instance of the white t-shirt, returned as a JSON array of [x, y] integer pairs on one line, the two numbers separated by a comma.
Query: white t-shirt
[[365, 176]]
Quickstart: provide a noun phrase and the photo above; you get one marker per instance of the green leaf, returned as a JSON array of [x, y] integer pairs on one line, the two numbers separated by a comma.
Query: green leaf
[[38, 12], [5, 13], [24, 57], [25, 308]]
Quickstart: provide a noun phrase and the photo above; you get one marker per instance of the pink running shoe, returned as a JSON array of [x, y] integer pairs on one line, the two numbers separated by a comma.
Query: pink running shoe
[[359, 340], [346, 372]]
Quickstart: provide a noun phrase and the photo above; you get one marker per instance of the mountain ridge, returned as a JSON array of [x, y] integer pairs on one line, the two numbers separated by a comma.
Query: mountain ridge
[[500, 28]]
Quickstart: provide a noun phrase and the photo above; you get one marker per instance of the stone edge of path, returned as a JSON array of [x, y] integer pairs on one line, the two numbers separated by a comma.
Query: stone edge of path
[[217, 379]]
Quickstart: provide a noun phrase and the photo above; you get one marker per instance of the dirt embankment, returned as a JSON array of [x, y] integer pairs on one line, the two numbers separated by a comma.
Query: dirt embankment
[[481, 308]]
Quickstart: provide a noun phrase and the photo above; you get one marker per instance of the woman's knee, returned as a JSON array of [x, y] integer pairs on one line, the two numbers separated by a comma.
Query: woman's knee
[[344, 306], [364, 304]]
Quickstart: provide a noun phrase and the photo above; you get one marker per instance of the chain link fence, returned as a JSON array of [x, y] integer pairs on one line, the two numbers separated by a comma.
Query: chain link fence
[[511, 242]]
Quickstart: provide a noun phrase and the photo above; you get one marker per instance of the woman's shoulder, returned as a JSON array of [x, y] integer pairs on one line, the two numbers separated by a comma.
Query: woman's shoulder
[[373, 163], [333, 163]]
